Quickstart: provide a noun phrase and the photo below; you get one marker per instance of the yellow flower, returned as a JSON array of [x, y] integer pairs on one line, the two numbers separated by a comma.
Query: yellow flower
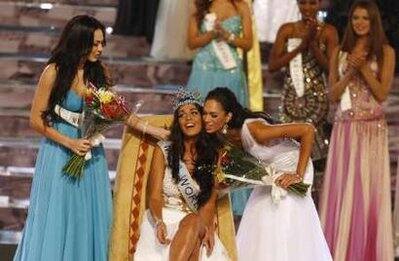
[[105, 96]]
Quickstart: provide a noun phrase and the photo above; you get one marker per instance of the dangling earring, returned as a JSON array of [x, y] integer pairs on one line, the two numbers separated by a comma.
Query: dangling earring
[[224, 129]]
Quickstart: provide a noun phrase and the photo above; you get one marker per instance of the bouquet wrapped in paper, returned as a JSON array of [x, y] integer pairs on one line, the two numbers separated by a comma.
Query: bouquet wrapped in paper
[[238, 170], [102, 109]]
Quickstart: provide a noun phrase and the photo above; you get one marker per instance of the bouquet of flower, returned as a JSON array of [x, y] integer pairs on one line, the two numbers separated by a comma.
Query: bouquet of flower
[[102, 109], [237, 170]]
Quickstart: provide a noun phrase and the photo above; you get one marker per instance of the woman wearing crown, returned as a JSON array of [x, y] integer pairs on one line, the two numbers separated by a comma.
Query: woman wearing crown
[[179, 222]]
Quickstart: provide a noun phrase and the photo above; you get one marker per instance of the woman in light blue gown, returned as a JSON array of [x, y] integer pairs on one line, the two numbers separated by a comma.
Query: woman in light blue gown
[[232, 26], [69, 219], [233, 18]]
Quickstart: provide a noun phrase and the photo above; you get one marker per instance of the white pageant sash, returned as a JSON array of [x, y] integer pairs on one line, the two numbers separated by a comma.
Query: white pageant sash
[[73, 118], [224, 54], [221, 48], [345, 102], [188, 188], [296, 69]]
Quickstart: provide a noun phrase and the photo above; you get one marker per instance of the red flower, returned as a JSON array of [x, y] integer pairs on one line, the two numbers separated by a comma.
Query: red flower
[[225, 160], [89, 99], [89, 96], [115, 110]]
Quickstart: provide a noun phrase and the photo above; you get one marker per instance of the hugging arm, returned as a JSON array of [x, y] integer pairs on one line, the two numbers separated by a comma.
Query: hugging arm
[[304, 132]]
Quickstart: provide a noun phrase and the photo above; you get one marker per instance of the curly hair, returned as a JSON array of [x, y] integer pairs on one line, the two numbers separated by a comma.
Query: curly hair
[[207, 150], [75, 44]]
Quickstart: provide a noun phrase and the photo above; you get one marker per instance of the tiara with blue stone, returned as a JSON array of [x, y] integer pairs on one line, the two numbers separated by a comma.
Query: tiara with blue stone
[[183, 96]]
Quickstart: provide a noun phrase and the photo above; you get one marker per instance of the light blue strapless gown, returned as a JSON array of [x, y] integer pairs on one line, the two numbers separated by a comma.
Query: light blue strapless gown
[[208, 73], [67, 220]]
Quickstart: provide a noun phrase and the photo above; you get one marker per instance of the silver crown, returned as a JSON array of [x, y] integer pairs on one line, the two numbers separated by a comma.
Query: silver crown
[[183, 96]]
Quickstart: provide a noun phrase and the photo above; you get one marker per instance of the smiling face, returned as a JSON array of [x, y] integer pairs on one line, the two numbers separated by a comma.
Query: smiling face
[[98, 46], [361, 22], [309, 8], [214, 116], [190, 121]]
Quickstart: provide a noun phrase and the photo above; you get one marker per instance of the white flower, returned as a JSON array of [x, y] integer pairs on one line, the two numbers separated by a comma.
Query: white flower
[[210, 19]]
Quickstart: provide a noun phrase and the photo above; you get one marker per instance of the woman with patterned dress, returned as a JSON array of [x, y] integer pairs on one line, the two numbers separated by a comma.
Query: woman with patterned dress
[[69, 219], [232, 28], [304, 49], [272, 228], [355, 206], [182, 197]]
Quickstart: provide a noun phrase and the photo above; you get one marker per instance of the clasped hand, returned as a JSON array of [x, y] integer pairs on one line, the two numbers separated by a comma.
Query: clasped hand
[[220, 33], [310, 37], [79, 146], [162, 233], [287, 179], [357, 59]]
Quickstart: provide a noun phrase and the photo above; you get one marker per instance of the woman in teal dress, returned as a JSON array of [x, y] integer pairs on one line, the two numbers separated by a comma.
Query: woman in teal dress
[[218, 28], [68, 219]]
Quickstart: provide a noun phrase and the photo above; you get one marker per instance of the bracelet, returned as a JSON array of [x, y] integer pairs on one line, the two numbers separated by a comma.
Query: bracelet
[[299, 177], [145, 127], [132, 121], [158, 222]]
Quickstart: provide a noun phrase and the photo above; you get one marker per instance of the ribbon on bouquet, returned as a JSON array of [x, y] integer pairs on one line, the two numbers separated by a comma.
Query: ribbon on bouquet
[[277, 192], [221, 48], [296, 69], [95, 141]]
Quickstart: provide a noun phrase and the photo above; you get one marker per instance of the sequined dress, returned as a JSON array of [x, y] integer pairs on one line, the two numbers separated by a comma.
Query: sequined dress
[[175, 209], [313, 106], [355, 206]]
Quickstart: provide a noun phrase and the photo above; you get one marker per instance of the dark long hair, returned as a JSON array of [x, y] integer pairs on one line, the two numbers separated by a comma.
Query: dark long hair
[[229, 102], [206, 147], [377, 37], [202, 8], [75, 44]]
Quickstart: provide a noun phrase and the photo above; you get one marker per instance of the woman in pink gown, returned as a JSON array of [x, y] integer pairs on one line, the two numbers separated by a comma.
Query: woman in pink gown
[[356, 201]]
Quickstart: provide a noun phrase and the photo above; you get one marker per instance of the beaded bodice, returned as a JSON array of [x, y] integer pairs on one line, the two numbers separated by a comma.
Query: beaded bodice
[[364, 105]]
